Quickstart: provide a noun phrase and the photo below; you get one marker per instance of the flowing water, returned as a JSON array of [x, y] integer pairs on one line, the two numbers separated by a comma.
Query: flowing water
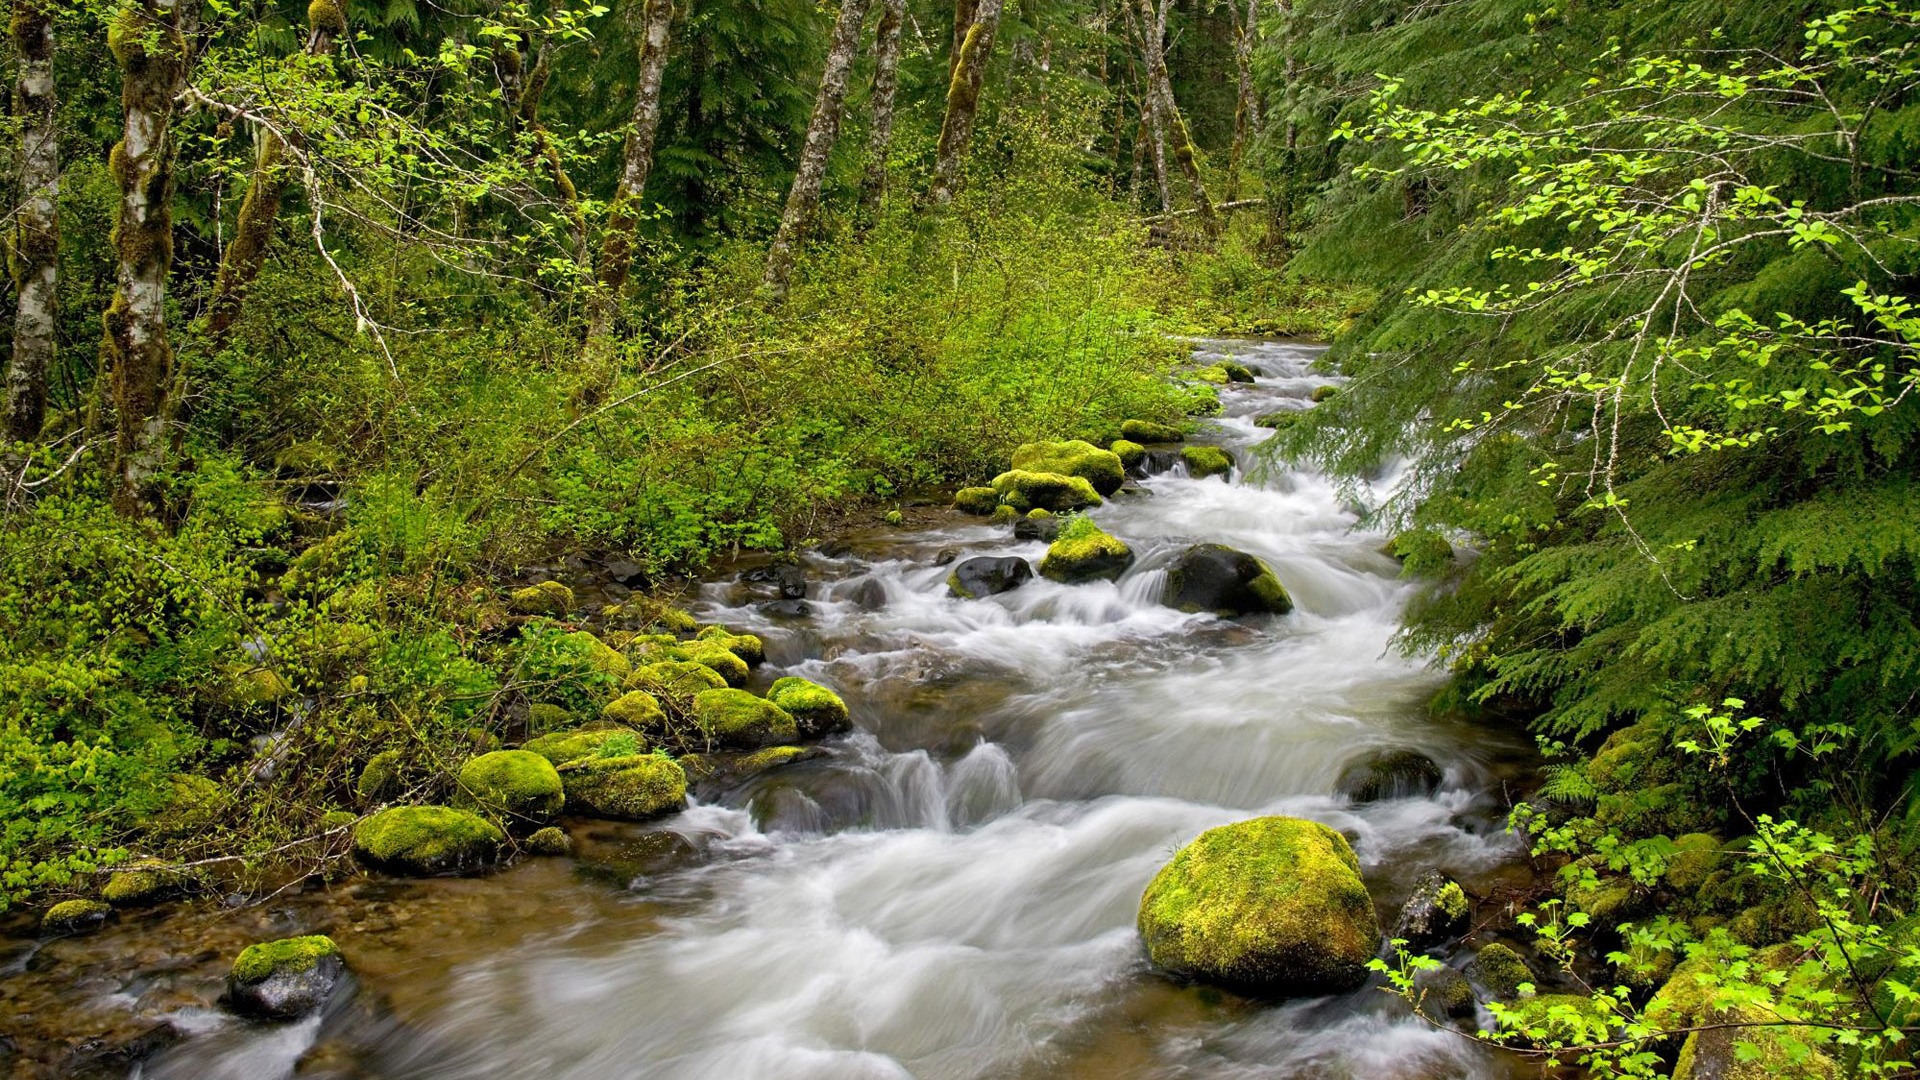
[[950, 890]]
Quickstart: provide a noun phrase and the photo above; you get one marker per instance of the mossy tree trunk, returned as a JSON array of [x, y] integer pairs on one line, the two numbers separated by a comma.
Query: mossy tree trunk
[[1280, 195], [253, 230], [36, 229], [886, 86], [147, 41], [1152, 140], [963, 101], [1246, 111], [533, 90], [803, 198], [1153, 17], [616, 248]]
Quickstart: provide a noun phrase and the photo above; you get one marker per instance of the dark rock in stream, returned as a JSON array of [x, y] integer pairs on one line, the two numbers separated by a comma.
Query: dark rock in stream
[[1391, 774], [1159, 461], [788, 578], [787, 609], [1443, 994], [287, 979], [1037, 528], [624, 572], [988, 575], [1216, 578], [869, 595], [1437, 911]]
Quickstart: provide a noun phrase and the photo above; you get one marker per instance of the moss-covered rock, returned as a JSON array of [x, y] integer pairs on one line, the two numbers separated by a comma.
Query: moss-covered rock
[[75, 917], [1004, 515], [1132, 455], [1442, 994], [1215, 374], [636, 709], [546, 716], [1271, 905], [1101, 468], [1501, 970], [725, 769], [427, 840], [1700, 857], [193, 803], [1146, 431], [598, 655], [1085, 552], [747, 647], [1437, 911], [547, 598], [987, 575], [1390, 774], [1756, 1052], [634, 787], [711, 654], [142, 883], [1218, 579], [976, 500], [735, 719], [1024, 491], [1277, 420], [817, 710], [1422, 552], [552, 840], [1205, 461], [894, 517], [676, 678], [1322, 393], [285, 979], [517, 784], [560, 747], [382, 778]]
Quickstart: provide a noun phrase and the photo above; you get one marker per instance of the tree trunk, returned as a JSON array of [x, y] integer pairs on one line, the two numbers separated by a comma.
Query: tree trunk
[[1160, 86], [1152, 133], [886, 84], [1280, 202], [803, 198], [963, 16], [616, 250], [1246, 112], [151, 48], [963, 101], [253, 230], [527, 111], [36, 234]]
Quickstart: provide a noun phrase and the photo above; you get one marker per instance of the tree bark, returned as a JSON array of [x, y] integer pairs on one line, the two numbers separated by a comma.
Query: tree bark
[[1152, 133], [36, 233], [148, 42], [1246, 112], [1280, 202], [524, 101], [963, 101], [253, 230], [886, 85], [803, 198], [616, 250], [1160, 85]]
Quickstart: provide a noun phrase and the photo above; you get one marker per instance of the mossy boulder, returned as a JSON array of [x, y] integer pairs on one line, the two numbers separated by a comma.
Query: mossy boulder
[[285, 979], [1274, 905], [725, 768], [1132, 455], [1085, 552], [1218, 579], [1215, 374], [547, 598], [382, 778], [1699, 858], [517, 784], [1146, 431], [1500, 970], [1437, 911], [1753, 1051], [1101, 468], [736, 720], [552, 840], [1277, 420], [1442, 994], [1421, 552], [598, 655], [1025, 490], [747, 647], [143, 883], [423, 841], [1042, 525], [546, 716], [1205, 461], [1004, 515], [894, 517], [712, 654], [560, 747], [1322, 393], [633, 787], [676, 678], [635, 709], [976, 500], [75, 917], [817, 710]]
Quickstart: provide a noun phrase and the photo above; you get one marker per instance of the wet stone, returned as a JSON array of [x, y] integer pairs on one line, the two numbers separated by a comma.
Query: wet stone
[[988, 575], [1391, 774], [1437, 911], [786, 609]]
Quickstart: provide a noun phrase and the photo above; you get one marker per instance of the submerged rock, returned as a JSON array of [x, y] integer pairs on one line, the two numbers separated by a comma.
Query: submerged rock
[[869, 595], [424, 841], [1205, 461], [817, 710], [285, 979], [1025, 491], [1218, 579], [629, 787], [1146, 431], [1390, 774], [1085, 552], [988, 575], [515, 784], [75, 917], [1101, 468], [1274, 905], [787, 577], [1437, 911], [724, 770], [736, 720]]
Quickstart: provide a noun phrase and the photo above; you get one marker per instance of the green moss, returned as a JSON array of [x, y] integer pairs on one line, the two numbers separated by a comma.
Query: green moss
[[816, 709], [1024, 491], [1699, 858], [254, 686], [1004, 515], [1085, 552], [1452, 901], [976, 500], [631, 788], [74, 916], [737, 720], [1146, 431], [546, 598], [1101, 468], [1442, 994], [513, 783], [561, 747], [426, 840], [636, 709], [648, 613], [337, 819], [1205, 461], [551, 840], [327, 16], [1755, 1052], [895, 517], [1213, 374], [1322, 393], [1274, 904], [1131, 454], [1500, 970], [288, 956], [676, 678], [599, 655], [543, 716], [1277, 420], [1422, 552], [141, 883], [712, 654], [747, 647], [193, 803]]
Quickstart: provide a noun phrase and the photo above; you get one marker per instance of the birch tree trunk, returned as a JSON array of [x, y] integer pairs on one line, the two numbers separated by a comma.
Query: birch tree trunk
[[803, 198], [616, 250], [1160, 85], [963, 101], [1152, 132], [1246, 112], [886, 85], [253, 230], [36, 232], [147, 40]]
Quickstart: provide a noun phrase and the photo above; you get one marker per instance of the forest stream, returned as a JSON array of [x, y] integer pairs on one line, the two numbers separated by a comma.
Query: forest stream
[[948, 891]]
